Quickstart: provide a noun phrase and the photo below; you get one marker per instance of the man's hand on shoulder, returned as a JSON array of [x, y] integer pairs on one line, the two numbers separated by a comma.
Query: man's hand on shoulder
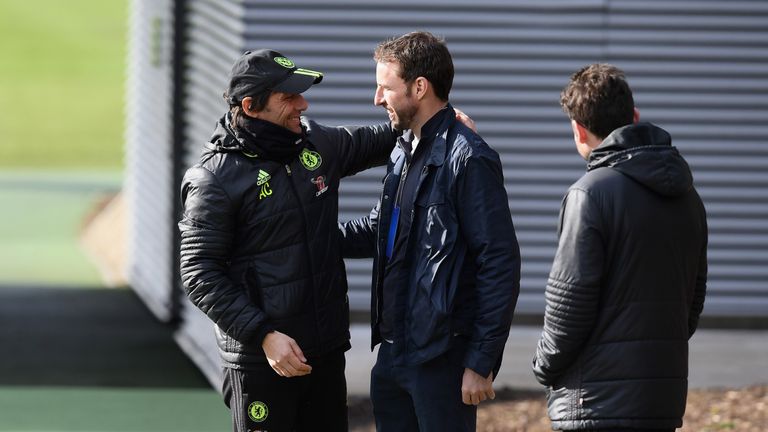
[[475, 388], [468, 122], [284, 355]]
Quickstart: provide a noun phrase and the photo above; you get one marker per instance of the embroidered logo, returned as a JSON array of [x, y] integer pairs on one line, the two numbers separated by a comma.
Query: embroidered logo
[[258, 411], [310, 159], [265, 191], [284, 62], [319, 181], [262, 178]]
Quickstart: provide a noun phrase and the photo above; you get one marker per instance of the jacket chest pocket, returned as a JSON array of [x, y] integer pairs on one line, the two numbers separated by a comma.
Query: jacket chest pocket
[[434, 224]]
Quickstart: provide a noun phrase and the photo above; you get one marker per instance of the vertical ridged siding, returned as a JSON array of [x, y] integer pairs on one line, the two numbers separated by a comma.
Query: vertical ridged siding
[[149, 180]]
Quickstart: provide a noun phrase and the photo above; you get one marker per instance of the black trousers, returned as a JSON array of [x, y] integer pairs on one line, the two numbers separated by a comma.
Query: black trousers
[[425, 397], [262, 400]]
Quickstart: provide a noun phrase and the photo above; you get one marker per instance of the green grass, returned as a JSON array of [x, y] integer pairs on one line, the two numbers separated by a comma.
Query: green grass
[[62, 69], [40, 226], [101, 410]]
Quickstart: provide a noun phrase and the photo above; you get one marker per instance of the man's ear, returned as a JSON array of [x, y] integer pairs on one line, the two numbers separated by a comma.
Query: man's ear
[[635, 116], [421, 85], [247, 105], [580, 133]]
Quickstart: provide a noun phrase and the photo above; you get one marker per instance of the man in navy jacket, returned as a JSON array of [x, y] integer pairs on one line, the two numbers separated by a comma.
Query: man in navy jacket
[[446, 260]]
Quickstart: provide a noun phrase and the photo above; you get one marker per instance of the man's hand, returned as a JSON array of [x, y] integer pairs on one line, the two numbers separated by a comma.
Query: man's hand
[[475, 388], [284, 355], [468, 122]]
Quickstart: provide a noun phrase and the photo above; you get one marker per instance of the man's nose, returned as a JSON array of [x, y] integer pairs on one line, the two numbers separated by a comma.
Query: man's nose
[[378, 97], [301, 103]]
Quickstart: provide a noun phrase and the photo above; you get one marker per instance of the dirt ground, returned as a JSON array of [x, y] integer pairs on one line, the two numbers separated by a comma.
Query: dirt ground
[[711, 410]]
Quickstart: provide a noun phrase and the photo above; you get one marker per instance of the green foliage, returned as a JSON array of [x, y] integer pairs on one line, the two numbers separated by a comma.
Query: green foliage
[[62, 70]]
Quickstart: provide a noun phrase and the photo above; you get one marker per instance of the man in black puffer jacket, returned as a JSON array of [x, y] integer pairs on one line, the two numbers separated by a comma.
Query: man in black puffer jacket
[[628, 282], [260, 246]]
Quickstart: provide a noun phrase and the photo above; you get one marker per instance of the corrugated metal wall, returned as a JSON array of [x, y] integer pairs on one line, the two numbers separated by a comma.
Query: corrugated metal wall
[[698, 69], [510, 66], [149, 157], [214, 38]]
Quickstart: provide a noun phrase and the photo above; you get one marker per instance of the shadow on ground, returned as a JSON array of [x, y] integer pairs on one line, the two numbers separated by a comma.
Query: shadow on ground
[[53, 336]]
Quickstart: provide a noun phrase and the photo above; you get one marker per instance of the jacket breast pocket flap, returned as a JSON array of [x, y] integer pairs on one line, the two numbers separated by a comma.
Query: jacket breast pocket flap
[[430, 198]]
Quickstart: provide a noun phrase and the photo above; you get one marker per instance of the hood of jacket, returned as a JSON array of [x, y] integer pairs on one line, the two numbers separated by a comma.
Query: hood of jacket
[[644, 152]]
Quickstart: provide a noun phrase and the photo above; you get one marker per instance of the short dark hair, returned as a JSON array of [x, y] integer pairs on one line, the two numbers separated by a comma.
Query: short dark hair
[[258, 103], [420, 54], [599, 98]]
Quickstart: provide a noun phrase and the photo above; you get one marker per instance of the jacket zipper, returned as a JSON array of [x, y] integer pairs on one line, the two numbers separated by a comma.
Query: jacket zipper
[[382, 253], [307, 252], [380, 267]]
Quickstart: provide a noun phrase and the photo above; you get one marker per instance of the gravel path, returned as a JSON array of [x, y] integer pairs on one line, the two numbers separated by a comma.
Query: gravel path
[[711, 410]]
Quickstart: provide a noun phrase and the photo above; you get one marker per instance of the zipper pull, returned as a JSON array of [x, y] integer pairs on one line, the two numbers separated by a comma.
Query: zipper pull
[[288, 169]]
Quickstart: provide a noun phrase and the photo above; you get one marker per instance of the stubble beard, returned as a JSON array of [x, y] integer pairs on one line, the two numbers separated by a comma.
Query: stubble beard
[[404, 118]]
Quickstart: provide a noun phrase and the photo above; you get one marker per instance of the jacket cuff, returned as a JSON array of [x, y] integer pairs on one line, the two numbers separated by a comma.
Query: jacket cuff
[[261, 333], [479, 362], [540, 372]]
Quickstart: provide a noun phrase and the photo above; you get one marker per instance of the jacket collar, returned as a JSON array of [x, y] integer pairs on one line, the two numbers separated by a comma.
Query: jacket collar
[[435, 130], [257, 138]]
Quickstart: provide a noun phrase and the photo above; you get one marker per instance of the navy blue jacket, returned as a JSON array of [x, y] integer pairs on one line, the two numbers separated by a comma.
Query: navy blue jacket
[[465, 261]]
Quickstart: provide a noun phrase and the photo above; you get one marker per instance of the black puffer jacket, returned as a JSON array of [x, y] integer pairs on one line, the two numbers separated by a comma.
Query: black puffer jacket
[[259, 239], [626, 288]]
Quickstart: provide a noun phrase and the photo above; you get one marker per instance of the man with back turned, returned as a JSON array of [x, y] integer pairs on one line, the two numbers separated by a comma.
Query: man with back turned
[[628, 280]]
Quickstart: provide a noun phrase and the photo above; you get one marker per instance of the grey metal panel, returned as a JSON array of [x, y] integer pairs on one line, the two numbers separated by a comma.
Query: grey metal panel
[[511, 60], [214, 41], [700, 69], [196, 337], [332, 38], [148, 156]]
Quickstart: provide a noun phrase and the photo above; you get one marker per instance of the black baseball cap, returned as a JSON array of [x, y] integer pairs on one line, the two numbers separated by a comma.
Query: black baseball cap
[[262, 70]]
